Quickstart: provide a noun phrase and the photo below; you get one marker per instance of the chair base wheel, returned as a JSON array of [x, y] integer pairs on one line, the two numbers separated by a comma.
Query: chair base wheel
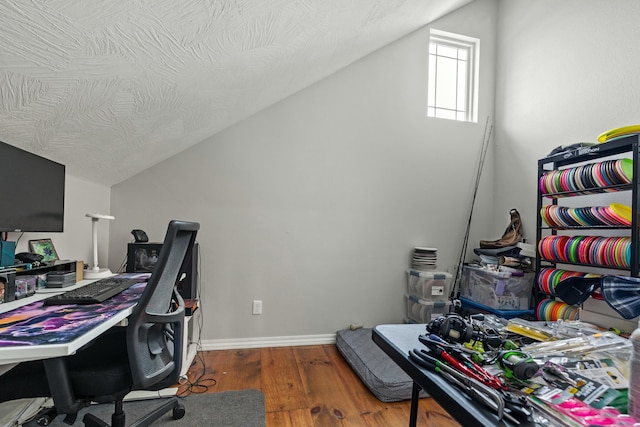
[[178, 412]]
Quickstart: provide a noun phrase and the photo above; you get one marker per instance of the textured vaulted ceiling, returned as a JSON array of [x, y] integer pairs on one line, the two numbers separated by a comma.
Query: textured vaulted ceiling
[[111, 87]]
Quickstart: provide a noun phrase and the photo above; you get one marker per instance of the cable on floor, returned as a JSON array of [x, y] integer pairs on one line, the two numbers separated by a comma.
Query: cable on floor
[[200, 384]]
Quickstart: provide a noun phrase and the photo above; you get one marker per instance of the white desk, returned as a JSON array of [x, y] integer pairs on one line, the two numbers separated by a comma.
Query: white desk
[[11, 355], [22, 353], [19, 311]]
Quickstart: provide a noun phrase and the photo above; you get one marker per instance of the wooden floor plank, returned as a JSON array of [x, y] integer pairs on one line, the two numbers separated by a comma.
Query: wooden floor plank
[[300, 418], [233, 369], [296, 418], [373, 411], [310, 386], [281, 383], [430, 413], [360, 394], [330, 400], [279, 419], [391, 415]]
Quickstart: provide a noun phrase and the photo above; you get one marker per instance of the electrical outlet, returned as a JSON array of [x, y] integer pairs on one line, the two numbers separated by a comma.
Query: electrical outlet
[[257, 306]]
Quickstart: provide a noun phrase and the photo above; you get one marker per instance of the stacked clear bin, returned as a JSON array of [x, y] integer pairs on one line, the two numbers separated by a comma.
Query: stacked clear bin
[[427, 295], [497, 290]]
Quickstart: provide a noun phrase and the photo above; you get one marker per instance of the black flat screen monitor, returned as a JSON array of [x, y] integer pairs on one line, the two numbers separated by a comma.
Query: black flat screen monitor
[[32, 192]]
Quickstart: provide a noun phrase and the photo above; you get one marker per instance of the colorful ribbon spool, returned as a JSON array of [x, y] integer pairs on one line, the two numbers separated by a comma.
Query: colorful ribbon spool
[[587, 179], [549, 309]]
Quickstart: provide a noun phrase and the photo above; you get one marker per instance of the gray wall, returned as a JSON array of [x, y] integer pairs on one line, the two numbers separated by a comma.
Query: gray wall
[[567, 71], [314, 204]]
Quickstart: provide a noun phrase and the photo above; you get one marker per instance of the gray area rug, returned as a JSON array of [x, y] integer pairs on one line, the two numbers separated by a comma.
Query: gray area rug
[[243, 408]]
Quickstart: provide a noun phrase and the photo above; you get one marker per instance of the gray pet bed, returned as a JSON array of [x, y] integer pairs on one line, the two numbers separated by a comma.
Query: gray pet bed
[[377, 371]]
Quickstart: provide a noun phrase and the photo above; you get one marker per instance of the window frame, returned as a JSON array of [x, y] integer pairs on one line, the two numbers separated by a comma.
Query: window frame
[[472, 46]]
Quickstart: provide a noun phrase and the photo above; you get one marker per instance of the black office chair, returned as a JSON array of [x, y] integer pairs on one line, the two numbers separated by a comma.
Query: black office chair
[[146, 355]]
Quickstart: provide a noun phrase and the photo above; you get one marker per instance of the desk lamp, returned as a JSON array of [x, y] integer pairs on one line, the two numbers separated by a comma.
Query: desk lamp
[[96, 272]]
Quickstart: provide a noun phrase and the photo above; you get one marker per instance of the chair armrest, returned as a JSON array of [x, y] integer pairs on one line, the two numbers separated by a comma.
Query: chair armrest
[[173, 317]]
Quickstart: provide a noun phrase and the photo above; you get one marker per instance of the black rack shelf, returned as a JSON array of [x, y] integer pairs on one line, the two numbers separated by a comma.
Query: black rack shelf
[[608, 267], [584, 156]]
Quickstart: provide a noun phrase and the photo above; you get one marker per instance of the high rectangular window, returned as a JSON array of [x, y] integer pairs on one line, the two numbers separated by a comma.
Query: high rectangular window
[[453, 76]]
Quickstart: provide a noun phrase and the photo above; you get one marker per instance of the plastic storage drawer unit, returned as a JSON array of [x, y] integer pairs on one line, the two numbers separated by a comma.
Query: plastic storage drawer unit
[[429, 285], [422, 311], [499, 290]]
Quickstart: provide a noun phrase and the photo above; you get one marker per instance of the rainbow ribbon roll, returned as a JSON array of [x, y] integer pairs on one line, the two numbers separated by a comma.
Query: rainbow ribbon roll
[[615, 214], [549, 277], [590, 250], [549, 309], [586, 179]]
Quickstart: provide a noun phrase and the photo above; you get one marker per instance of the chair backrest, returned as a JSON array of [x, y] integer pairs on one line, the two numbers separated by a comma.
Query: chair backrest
[[155, 331]]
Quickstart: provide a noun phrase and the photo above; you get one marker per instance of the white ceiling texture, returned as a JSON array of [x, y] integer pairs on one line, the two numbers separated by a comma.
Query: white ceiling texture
[[111, 87]]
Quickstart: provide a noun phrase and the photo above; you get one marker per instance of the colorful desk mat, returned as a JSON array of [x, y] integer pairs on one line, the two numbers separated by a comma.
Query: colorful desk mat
[[37, 324]]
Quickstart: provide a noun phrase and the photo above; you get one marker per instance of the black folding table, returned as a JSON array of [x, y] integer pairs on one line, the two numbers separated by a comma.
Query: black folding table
[[396, 341]]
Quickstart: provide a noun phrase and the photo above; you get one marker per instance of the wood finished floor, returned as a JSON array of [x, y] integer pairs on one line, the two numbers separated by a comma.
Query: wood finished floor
[[307, 386]]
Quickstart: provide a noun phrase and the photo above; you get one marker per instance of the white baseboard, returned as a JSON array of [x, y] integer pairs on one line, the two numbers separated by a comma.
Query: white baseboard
[[261, 342]]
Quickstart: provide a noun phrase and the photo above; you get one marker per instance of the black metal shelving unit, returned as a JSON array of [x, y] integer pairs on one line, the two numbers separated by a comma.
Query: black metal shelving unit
[[586, 155]]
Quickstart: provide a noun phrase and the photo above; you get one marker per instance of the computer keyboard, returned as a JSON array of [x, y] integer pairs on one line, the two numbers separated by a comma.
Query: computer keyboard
[[94, 292]]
